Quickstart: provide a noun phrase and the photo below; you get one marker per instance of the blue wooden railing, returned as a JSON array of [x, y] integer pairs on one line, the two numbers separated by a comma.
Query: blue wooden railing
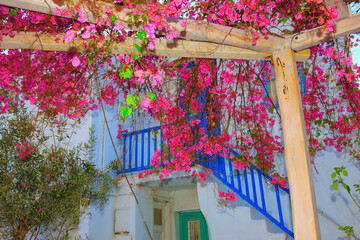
[[273, 201]]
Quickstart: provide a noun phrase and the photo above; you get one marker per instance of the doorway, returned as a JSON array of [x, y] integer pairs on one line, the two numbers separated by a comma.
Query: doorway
[[192, 226]]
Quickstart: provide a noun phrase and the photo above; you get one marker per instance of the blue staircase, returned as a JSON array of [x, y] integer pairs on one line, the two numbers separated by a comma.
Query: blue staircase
[[272, 201]]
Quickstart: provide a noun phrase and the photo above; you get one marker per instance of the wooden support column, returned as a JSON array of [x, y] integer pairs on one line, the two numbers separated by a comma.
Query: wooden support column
[[297, 158]]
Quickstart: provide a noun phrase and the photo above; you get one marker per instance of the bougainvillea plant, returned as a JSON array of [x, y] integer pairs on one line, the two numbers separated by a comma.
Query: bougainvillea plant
[[191, 103]]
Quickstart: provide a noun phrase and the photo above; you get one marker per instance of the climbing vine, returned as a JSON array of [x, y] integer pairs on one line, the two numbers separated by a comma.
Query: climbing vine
[[205, 107]]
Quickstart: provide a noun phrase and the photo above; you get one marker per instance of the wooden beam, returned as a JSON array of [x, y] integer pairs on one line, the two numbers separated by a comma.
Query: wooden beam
[[195, 30], [48, 7], [163, 47], [297, 159], [319, 35], [215, 33]]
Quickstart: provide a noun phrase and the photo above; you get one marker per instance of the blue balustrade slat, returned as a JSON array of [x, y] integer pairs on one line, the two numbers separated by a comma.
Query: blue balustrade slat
[[216, 164], [161, 141], [149, 152], [124, 156], [246, 184], [136, 151], [155, 143], [239, 181], [130, 152], [279, 204], [261, 189], [142, 150], [231, 174], [253, 184]]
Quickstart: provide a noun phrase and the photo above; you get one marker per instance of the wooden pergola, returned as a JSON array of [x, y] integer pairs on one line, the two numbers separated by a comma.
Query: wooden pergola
[[208, 40]]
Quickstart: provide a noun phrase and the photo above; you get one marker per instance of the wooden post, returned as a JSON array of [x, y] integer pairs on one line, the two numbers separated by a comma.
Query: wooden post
[[297, 158]]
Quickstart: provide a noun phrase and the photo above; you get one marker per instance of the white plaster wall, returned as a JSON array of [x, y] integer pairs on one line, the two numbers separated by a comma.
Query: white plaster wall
[[125, 201], [234, 222], [185, 200], [337, 206], [101, 223], [146, 206]]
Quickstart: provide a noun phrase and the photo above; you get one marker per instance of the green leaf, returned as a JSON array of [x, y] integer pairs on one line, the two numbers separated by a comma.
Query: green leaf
[[345, 173], [282, 20], [318, 122], [271, 110], [127, 73], [151, 96], [137, 47], [333, 175], [141, 34], [129, 99], [136, 57], [312, 150], [112, 18], [347, 188], [130, 111], [325, 120], [126, 112], [90, 62], [335, 186], [12, 12]]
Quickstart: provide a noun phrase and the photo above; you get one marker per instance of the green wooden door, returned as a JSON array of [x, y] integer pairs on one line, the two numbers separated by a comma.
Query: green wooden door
[[193, 226]]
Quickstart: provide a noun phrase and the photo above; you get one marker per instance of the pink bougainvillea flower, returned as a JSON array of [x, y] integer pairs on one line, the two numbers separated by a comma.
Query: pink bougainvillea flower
[[70, 35], [202, 176], [82, 17], [118, 26], [57, 11], [139, 74], [146, 103], [98, 22], [25, 149], [75, 61], [86, 34], [156, 80], [106, 9], [229, 196], [151, 46], [91, 28], [183, 24], [333, 11]]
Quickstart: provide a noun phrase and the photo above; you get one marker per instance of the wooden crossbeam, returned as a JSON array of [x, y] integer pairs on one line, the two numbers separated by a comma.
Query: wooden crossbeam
[[163, 47], [214, 33], [195, 30], [319, 35], [210, 32], [48, 7]]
